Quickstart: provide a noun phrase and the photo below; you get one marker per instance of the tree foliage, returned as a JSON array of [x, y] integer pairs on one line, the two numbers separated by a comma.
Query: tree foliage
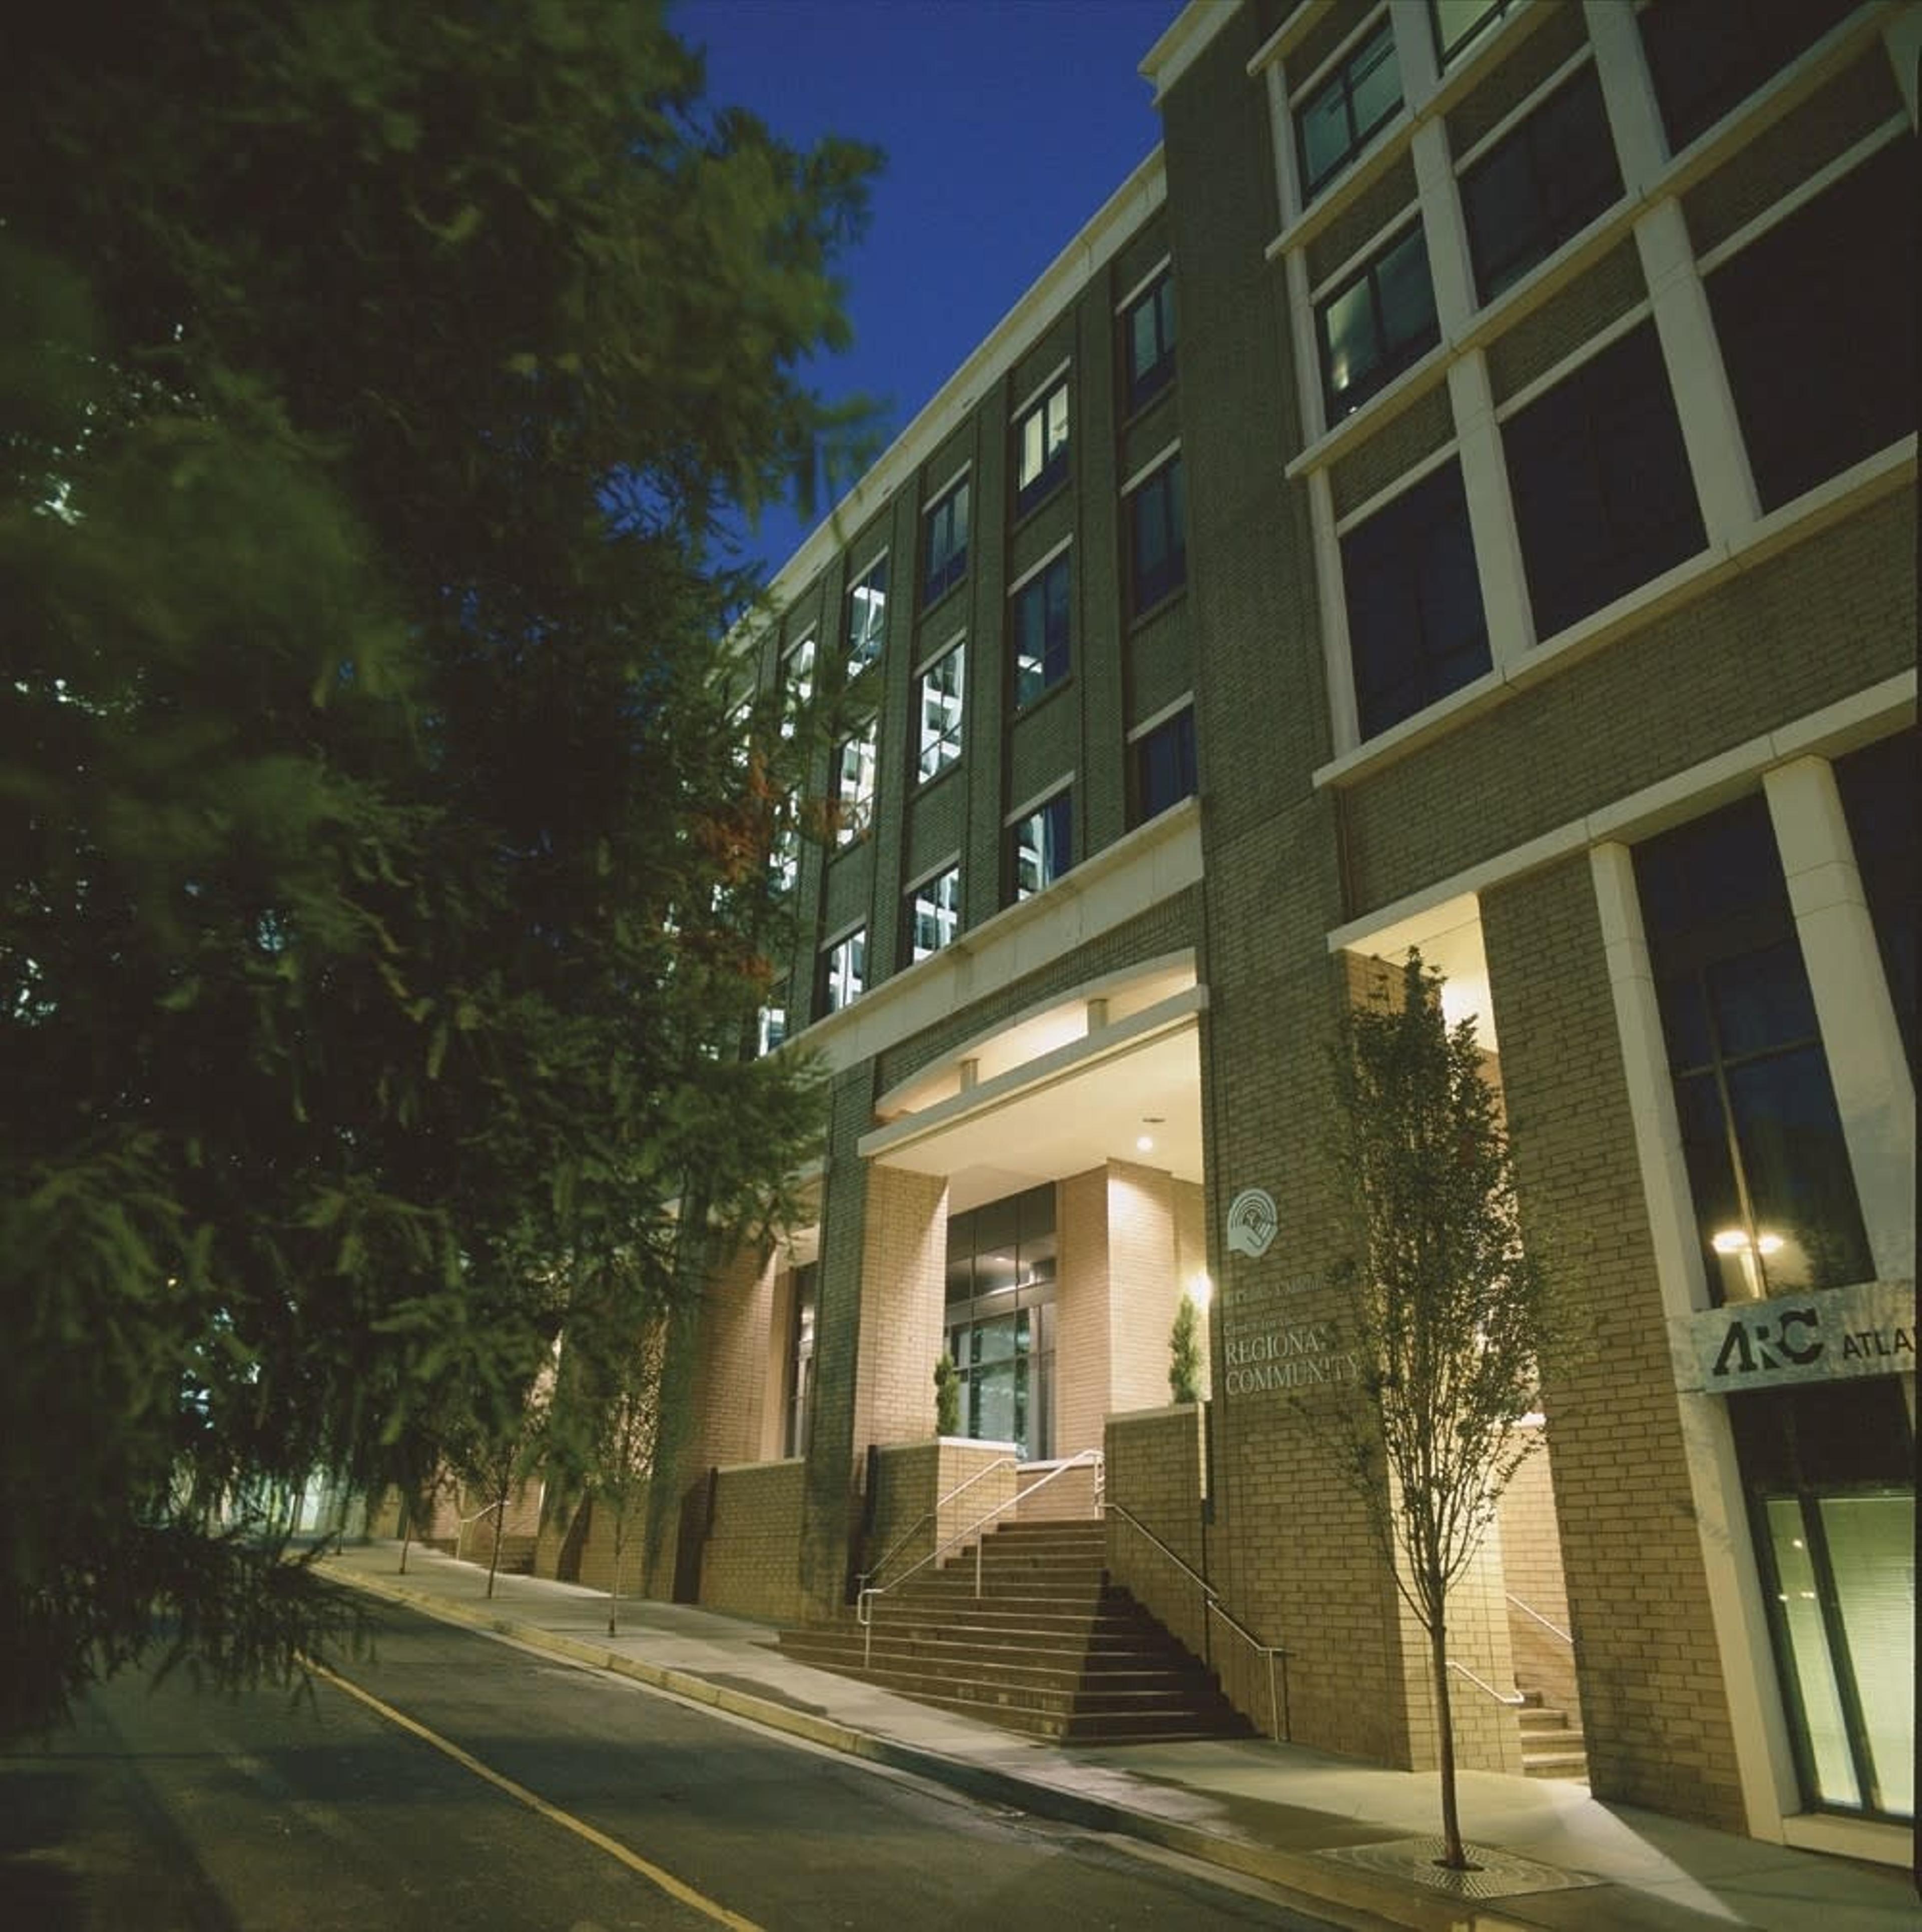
[[1184, 1353], [382, 895], [1448, 1308]]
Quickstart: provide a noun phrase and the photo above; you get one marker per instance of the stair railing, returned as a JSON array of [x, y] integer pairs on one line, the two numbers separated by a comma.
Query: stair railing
[[1514, 1702], [864, 1602], [1529, 1610], [927, 1516], [1280, 1720]]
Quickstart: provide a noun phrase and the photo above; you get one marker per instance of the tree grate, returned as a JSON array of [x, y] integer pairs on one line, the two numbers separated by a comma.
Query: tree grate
[[1502, 1875]]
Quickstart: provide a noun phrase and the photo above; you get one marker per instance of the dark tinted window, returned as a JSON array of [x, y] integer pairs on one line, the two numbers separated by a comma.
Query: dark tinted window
[[1551, 177], [1415, 628], [1041, 846], [1831, 295], [1377, 325], [1335, 121], [1457, 21], [1164, 771], [1603, 498], [1706, 55], [1157, 543], [1041, 633], [944, 561], [1882, 796], [1148, 326]]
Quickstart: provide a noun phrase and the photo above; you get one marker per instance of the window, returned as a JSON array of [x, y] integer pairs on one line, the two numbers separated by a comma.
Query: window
[[934, 914], [1774, 1194], [784, 858], [1041, 632], [1456, 22], [770, 1029], [854, 786], [1335, 122], [1817, 323], [944, 557], [1001, 1267], [867, 616], [1539, 185], [1603, 498], [1416, 627], [1041, 448], [1157, 543], [1040, 846], [797, 684], [1149, 325], [938, 711], [801, 1357], [1881, 796], [1706, 55], [843, 971], [1164, 772], [1377, 325]]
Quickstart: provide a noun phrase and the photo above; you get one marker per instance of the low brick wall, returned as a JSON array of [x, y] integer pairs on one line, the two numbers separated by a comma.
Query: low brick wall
[[910, 1520], [750, 1564], [1069, 1498], [1154, 1472]]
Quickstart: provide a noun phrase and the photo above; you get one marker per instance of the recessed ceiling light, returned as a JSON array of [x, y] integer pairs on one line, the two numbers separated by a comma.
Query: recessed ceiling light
[[1144, 1144]]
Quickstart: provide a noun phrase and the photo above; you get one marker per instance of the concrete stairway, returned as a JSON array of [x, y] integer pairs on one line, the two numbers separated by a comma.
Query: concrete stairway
[[1552, 1745], [1049, 1648]]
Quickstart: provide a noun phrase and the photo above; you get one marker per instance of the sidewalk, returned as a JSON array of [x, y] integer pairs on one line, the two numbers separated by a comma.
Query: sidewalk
[[1313, 1824]]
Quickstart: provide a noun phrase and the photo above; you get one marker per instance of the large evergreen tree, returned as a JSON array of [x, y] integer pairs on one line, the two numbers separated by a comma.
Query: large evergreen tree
[[382, 898]]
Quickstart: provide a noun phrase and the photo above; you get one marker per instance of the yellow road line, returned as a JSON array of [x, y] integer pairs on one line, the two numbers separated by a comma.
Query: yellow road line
[[666, 1880]]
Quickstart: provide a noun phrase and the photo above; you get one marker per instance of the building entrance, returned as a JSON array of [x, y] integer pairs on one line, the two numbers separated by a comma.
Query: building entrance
[[1000, 1319]]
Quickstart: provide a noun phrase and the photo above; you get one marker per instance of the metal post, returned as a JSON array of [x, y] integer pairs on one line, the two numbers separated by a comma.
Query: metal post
[[1274, 1708]]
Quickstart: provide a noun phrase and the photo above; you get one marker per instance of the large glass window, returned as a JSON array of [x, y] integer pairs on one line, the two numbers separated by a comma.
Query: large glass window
[[1416, 627], [1041, 632], [843, 971], [1158, 540], [1540, 184], [854, 786], [1164, 761], [1706, 55], [797, 684], [1333, 124], [1000, 1319], [867, 616], [938, 712], [1457, 21], [1041, 448], [944, 553], [1817, 324], [1881, 795], [1041, 846], [1377, 325], [934, 914], [1147, 327], [1830, 1470], [801, 1358], [1768, 1168], [1600, 475]]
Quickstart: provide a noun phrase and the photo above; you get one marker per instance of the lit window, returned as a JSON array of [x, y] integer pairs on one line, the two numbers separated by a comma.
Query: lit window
[[867, 616], [854, 787], [1148, 325], [939, 709], [1165, 769], [797, 684], [784, 858], [1603, 497], [1041, 632], [771, 1029], [945, 553], [934, 914], [1040, 846], [1376, 325], [1335, 121], [843, 971], [1416, 627], [1539, 185], [1041, 448], [1157, 543]]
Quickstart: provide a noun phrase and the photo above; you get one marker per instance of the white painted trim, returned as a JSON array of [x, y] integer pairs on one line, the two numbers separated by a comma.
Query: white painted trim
[[1147, 282], [1292, 31], [1034, 570], [1513, 118], [1165, 455], [1299, 89], [1410, 215], [1056, 787], [951, 863], [1496, 538], [1046, 389], [1852, 1837], [1183, 42], [1156, 720], [1398, 485], [934, 657], [1536, 387], [956, 478]]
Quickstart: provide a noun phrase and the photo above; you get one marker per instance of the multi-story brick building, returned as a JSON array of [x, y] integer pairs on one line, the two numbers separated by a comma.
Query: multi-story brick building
[[1460, 491]]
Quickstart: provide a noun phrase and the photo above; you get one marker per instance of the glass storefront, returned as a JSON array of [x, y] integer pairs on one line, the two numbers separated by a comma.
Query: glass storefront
[[1000, 1319]]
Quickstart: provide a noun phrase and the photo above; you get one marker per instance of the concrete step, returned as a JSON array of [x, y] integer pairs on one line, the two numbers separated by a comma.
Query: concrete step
[[1551, 1740], [1121, 1670]]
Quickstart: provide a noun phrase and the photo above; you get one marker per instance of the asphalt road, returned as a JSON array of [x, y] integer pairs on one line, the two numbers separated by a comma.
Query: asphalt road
[[579, 1801]]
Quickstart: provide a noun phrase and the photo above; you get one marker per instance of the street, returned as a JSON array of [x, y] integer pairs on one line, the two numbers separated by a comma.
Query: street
[[573, 1800]]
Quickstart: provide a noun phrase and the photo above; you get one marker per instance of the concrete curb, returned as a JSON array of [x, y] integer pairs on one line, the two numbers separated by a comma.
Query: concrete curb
[[1314, 1887]]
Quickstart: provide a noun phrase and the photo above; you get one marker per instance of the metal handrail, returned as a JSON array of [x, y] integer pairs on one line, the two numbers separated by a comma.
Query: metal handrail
[[1211, 1600], [1482, 1684], [863, 1614], [913, 1530], [1529, 1610]]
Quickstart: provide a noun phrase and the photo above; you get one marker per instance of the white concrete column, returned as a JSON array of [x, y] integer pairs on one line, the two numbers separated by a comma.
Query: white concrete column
[[1757, 1722], [1345, 717], [1901, 35], [1281, 130], [1711, 431], [1490, 513], [1307, 348], [1641, 148], [1446, 230], [1414, 50], [1867, 1061]]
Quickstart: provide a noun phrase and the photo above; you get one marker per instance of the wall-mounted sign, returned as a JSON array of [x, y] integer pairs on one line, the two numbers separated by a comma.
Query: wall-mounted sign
[[1294, 1355], [1251, 1222], [1825, 1336]]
